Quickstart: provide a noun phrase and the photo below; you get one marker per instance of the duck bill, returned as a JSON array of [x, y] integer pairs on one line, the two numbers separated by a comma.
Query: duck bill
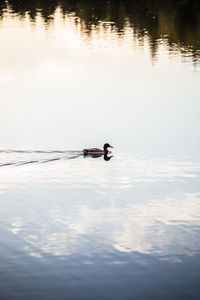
[[111, 147]]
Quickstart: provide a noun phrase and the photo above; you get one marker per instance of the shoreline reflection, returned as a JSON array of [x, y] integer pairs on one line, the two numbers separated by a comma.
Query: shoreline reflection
[[175, 24]]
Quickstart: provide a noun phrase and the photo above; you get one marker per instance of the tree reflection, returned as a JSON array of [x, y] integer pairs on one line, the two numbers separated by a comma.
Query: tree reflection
[[177, 23]]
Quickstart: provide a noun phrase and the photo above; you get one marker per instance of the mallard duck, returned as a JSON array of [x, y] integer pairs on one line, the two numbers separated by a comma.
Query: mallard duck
[[96, 151]]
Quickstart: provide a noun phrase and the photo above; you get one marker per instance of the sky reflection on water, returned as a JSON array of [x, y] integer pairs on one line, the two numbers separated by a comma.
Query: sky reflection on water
[[130, 204]]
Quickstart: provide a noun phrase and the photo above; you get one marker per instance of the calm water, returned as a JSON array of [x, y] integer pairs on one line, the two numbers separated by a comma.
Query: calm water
[[76, 74]]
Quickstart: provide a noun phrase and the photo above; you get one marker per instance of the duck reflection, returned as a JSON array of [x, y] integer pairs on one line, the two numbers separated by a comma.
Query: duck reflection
[[105, 156]]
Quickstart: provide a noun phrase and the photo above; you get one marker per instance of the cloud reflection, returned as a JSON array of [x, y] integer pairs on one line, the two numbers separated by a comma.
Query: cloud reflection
[[166, 228], [154, 210]]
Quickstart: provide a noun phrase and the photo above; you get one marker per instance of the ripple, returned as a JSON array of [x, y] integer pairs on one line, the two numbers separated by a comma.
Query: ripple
[[22, 157]]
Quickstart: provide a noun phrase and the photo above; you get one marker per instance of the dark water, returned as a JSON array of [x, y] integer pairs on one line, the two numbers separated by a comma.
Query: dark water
[[77, 74]]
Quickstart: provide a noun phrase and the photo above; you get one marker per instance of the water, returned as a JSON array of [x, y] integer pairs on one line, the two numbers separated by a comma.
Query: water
[[77, 74]]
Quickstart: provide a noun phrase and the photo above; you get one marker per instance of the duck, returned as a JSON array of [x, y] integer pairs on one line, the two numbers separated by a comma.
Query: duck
[[96, 151]]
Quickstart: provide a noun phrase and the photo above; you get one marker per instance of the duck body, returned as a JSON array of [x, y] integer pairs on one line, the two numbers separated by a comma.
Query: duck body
[[93, 151], [97, 151]]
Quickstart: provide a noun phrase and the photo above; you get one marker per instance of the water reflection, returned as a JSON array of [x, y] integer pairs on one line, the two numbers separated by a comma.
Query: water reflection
[[173, 23], [107, 158], [165, 228], [97, 155], [85, 218], [133, 205]]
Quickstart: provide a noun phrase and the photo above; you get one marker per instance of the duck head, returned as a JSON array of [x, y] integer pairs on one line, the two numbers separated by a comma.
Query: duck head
[[106, 146]]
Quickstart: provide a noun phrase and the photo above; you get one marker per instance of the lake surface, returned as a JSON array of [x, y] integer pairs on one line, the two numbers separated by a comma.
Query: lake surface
[[77, 74]]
